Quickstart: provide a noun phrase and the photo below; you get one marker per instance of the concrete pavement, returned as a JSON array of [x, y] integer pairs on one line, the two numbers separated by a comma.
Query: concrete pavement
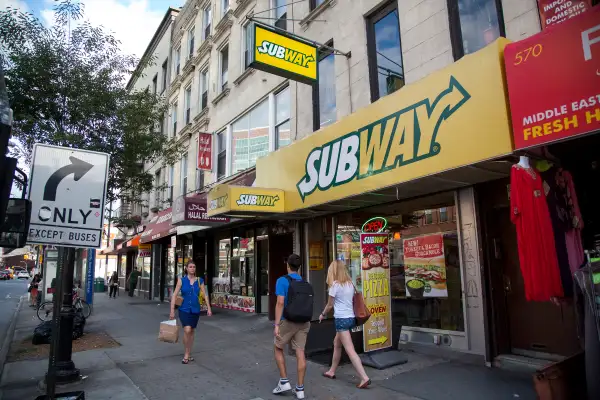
[[233, 361]]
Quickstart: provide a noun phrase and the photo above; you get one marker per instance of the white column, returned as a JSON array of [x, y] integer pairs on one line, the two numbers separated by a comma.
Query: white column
[[228, 158], [272, 122]]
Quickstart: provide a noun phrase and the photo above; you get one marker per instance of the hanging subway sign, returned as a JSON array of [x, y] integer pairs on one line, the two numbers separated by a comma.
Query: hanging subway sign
[[283, 55]]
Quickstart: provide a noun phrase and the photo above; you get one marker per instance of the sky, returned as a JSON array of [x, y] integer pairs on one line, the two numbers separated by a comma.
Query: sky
[[133, 22]]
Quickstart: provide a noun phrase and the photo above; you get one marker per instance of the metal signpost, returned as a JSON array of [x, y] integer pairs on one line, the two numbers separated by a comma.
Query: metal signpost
[[68, 190]]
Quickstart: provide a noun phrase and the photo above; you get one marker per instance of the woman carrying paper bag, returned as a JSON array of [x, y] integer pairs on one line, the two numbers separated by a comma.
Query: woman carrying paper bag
[[192, 289]]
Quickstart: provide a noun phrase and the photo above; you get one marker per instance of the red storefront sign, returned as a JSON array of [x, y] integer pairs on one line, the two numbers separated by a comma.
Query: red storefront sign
[[204, 161], [554, 82], [556, 11]]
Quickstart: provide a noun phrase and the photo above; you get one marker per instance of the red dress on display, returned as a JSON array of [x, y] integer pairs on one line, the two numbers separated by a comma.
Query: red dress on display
[[537, 251]]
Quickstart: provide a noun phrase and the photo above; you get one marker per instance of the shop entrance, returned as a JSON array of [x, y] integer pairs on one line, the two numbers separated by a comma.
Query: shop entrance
[[527, 328], [280, 247]]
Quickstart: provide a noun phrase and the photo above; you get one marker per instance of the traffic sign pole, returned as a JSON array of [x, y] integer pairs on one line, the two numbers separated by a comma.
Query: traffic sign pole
[[61, 368]]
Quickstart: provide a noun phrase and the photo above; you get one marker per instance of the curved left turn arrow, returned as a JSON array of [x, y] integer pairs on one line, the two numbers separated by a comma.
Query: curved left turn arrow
[[77, 167]]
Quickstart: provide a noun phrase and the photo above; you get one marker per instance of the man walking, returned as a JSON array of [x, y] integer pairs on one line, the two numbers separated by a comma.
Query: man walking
[[292, 323], [133, 280]]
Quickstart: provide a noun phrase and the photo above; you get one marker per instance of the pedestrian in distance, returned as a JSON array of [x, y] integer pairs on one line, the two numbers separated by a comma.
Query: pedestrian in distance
[[33, 290], [133, 278], [293, 314], [113, 285], [191, 288], [341, 294]]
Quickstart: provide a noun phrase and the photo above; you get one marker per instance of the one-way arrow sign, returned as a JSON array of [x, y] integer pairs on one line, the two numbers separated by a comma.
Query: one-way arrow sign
[[77, 167], [67, 192]]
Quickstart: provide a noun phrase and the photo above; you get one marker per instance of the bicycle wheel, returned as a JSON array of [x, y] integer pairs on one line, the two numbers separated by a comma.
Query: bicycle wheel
[[45, 311], [83, 307]]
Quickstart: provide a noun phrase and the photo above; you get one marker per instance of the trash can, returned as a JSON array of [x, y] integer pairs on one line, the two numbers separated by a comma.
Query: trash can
[[98, 285]]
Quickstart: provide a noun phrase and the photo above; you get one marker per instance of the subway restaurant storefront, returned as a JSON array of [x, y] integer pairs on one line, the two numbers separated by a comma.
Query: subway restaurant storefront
[[389, 191]]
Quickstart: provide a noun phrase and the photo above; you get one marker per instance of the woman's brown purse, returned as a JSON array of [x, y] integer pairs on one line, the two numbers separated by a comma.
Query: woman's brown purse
[[178, 301], [361, 312]]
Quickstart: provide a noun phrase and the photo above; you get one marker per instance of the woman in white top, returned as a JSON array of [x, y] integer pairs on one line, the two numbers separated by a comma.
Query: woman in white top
[[341, 293]]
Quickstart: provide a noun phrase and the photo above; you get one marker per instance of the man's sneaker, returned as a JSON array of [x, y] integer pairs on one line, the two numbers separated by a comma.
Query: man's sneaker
[[299, 393], [282, 388]]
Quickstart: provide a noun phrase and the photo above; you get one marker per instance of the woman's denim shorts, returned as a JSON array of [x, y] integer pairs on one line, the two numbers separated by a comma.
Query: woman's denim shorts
[[344, 324]]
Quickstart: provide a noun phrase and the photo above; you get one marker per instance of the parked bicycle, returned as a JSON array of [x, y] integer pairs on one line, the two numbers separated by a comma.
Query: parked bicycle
[[46, 309]]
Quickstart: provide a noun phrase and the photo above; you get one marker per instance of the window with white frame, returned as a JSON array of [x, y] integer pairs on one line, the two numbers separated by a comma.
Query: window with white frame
[[188, 104], [225, 6], [444, 214], [246, 45], [183, 175], [428, 217], [221, 154], [203, 89], [164, 75], [157, 189], [191, 33], [174, 118], [177, 60], [206, 21], [155, 84], [224, 67], [282, 119], [250, 137], [280, 10]]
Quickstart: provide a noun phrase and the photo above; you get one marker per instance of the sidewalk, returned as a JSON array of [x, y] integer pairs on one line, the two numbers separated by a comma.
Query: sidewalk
[[233, 361]]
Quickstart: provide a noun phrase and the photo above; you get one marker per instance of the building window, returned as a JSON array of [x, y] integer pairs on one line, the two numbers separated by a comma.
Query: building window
[[162, 126], [157, 189], [385, 52], [155, 84], [221, 155], [170, 192], [206, 21], [225, 6], [247, 45], [188, 104], [324, 109], [444, 214], [224, 66], [164, 75], [250, 138], [280, 7], [177, 61], [282, 119], [183, 174], [174, 119], [427, 217], [474, 24], [191, 42], [315, 3], [203, 89]]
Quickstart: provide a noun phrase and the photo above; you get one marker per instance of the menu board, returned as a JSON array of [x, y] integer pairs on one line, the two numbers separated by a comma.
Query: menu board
[[425, 266], [375, 269]]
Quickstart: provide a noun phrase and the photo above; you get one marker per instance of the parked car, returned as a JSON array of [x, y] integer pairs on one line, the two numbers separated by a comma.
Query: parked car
[[23, 275], [4, 275]]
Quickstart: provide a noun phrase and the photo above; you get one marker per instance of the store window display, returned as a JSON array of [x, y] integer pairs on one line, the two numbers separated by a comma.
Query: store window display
[[437, 302]]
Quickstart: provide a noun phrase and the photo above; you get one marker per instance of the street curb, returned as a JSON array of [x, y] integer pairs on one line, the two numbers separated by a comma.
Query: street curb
[[10, 333]]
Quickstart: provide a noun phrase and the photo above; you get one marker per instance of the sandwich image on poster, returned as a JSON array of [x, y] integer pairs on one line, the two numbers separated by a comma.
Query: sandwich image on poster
[[425, 266]]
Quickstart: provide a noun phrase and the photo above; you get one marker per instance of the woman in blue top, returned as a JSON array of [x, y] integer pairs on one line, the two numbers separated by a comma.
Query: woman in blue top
[[189, 310]]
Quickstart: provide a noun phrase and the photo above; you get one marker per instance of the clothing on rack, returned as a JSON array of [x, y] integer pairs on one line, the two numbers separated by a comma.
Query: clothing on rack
[[537, 249], [573, 233], [560, 217]]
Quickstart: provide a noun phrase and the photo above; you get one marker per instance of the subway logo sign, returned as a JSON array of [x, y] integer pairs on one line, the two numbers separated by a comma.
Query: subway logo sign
[[281, 54], [404, 137]]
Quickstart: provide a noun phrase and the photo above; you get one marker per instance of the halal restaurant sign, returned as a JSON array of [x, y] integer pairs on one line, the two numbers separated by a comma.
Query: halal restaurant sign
[[283, 55], [554, 82]]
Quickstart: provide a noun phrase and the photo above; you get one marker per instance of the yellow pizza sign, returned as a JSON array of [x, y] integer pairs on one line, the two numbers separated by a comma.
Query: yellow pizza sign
[[283, 55]]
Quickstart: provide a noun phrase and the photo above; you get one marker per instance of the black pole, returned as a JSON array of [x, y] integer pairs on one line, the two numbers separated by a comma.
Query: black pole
[[61, 368]]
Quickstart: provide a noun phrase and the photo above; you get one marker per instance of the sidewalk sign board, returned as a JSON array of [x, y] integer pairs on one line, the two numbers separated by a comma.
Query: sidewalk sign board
[[67, 192]]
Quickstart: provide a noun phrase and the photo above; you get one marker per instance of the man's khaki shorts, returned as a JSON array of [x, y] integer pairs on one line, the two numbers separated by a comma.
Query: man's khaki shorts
[[294, 333]]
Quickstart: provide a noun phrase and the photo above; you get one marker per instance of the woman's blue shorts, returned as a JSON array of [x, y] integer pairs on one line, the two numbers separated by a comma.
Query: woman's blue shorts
[[344, 324]]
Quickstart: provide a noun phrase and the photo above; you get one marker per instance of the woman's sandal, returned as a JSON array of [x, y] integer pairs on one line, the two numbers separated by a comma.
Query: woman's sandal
[[364, 385], [328, 376], [185, 361], [191, 359]]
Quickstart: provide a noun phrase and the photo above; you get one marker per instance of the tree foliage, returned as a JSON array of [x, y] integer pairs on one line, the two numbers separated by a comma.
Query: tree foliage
[[67, 86]]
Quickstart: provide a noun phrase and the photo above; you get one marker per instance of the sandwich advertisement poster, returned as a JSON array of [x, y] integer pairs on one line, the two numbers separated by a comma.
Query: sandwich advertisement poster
[[375, 268], [425, 266]]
